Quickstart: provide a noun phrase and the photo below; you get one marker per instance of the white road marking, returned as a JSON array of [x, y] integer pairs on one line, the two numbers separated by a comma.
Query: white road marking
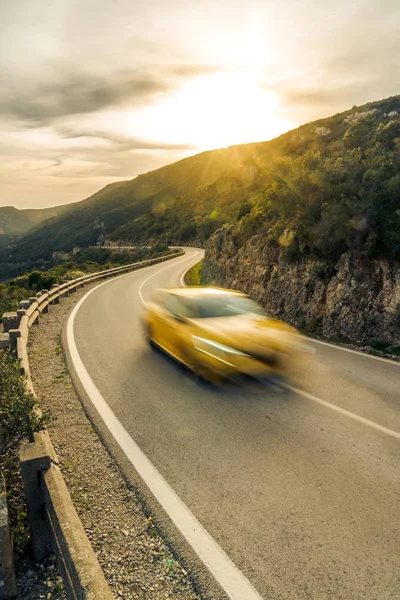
[[230, 578], [345, 412], [364, 354]]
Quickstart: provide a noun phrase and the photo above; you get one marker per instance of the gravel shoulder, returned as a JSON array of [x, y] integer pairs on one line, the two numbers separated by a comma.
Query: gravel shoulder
[[135, 559]]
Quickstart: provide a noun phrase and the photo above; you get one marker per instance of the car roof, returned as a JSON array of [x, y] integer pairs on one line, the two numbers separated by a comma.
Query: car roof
[[196, 291]]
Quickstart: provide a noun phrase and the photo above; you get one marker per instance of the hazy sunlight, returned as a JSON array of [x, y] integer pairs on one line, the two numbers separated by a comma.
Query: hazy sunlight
[[212, 111]]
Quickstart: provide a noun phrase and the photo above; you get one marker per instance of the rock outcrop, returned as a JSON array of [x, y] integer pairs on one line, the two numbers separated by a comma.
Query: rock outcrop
[[353, 300]]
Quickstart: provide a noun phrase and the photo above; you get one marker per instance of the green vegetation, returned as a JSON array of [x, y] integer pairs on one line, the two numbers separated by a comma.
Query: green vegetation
[[10, 297], [377, 344], [19, 419], [319, 190], [16, 222], [193, 276], [18, 415]]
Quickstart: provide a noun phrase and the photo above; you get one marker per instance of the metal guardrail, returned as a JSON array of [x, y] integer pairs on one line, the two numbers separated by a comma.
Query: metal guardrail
[[54, 523]]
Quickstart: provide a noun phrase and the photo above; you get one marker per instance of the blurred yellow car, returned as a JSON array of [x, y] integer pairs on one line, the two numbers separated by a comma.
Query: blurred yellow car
[[221, 334]]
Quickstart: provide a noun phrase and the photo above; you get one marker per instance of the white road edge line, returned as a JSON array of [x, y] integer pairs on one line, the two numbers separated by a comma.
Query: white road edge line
[[182, 281], [345, 412], [364, 354], [229, 577]]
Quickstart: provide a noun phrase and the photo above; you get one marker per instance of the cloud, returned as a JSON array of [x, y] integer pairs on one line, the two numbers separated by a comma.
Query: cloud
[[40, 103], [339, 83], [124, 143], [195, 70], [71, 92]]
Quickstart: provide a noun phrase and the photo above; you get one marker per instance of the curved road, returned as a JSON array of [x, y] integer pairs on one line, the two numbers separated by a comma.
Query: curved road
[[301, 489]]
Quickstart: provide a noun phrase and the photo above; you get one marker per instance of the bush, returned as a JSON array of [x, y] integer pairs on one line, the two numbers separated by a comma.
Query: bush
[[193, 276], [377, 344], [18, 416], [10, 297], [22, 282], [41, 280], [244, 210]]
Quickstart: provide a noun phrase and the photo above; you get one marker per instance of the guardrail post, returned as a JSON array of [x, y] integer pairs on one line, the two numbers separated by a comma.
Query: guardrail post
[[14, 334], [24, 304], [35, 458], [10, 321], [8, 586]]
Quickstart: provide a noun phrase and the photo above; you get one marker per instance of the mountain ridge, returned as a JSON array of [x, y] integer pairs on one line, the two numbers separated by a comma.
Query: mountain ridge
[[333, 179], [15, 221]]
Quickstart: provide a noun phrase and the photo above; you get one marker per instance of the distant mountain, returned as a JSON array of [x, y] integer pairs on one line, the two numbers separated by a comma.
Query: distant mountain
[[319, 189], [18, 222]]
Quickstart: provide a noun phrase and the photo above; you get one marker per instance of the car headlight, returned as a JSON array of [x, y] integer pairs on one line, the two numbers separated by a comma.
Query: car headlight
[[216, 350]]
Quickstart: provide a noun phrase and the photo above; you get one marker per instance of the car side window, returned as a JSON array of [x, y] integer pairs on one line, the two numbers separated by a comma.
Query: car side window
[[173, 305], [188, 308]]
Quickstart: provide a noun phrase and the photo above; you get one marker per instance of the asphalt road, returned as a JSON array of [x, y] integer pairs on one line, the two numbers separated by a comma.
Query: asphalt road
[[304, 499]]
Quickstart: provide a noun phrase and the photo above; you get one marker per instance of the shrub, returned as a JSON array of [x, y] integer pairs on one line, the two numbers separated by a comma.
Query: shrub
[[22, 281], [10, 296], [244, 210], [377, 344], [39, 280], [193, 276], [18, 416]]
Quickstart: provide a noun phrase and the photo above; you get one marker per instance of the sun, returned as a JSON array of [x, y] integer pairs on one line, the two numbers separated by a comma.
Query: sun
[[214, 111]]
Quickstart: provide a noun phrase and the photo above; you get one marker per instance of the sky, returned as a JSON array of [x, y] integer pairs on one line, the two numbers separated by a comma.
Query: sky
[[97, 91]]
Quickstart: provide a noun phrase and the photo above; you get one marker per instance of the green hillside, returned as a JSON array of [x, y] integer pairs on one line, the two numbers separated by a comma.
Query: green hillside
[[322, 188], [18, 222]]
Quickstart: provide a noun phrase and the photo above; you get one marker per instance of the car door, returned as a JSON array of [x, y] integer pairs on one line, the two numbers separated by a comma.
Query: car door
[[169, 324]]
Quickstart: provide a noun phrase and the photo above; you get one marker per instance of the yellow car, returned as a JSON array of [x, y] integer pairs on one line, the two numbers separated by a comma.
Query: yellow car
[[221, 334]]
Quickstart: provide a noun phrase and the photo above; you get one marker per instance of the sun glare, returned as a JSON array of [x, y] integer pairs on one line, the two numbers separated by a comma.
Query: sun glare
[[213, 111]]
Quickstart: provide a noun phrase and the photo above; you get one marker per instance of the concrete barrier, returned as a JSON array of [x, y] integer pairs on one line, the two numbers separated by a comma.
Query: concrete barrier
[[54, 524]]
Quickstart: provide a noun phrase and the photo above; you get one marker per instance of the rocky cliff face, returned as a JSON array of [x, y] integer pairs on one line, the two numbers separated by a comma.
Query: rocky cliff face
[[354, 300]]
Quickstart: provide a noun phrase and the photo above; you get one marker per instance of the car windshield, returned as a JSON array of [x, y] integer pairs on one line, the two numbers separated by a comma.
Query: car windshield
[[226, 305]]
